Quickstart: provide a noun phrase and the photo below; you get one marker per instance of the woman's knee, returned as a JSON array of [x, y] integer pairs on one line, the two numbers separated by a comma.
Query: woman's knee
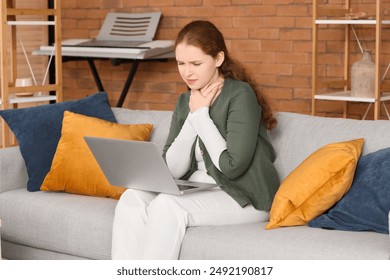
[[164, 202], [134, 198]]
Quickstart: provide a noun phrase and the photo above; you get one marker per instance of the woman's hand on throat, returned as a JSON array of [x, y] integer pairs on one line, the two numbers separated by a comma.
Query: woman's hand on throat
[[206, 96]]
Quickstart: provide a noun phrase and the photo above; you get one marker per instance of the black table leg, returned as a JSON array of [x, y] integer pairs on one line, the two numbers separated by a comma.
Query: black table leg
[[127, 85], [95, 74]]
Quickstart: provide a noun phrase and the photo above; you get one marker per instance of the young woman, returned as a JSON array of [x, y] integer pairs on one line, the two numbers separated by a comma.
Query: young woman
[[218, 134]]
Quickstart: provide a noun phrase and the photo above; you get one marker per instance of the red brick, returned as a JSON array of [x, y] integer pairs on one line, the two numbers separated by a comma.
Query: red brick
[[293, 82], [278, 22], [201, 12], [249, 22], [246, 2], [69, 4], [235, 33], [260, 10], [278, 93], [87, 4], [295, 106], [188, 3], [304, 93], [89, 24], [110, 4], [302, 70], [216, 2], [229, 11], [246, 45], [132, 4], [293, 10], [328, 58], [277, 46], [277, 69], [303, 22], [170, 12], [295, 34], [302, 46], [293, 58], [265, 33], [267, 80], [159, 3]]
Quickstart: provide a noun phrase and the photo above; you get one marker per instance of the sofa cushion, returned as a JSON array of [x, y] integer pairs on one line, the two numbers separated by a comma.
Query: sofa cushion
[[13, 173], [38, 130], [253, 242], [71, 224], [74, 168], [367, 204], [316, 184]]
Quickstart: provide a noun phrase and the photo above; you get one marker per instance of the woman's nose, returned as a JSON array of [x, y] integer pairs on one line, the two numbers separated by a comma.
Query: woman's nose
[[188, 71]]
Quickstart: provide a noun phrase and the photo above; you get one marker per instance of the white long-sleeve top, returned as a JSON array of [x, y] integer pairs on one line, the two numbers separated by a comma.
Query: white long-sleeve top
[[178, 157]]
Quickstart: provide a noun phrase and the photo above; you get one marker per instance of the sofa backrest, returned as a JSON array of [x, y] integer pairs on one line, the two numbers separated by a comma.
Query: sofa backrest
[[297, 136], [161, 121]]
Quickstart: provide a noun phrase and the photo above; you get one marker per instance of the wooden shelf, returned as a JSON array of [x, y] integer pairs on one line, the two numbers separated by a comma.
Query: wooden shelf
[[346, 96], [326, 14], [350, 21], [10, 18], [30, 22], [29, 99]]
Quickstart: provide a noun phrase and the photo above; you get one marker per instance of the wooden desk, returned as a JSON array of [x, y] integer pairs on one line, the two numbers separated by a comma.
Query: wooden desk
[[117, 57]]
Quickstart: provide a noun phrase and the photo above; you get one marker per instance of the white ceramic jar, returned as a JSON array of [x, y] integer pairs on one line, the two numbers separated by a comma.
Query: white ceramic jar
[[363, 76]]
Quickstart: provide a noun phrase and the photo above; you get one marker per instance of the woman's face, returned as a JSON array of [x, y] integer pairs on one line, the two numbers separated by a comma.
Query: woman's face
[[196, 68]]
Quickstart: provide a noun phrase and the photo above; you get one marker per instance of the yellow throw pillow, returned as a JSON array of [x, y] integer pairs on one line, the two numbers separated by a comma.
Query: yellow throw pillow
[[74, 168], [316, 184]]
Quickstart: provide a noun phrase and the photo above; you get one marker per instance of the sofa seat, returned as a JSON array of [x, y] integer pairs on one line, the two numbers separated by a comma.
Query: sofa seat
[[253, 241], [60, 222]]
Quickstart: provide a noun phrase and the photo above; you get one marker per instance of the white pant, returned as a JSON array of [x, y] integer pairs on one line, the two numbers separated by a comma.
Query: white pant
[[151, 226]]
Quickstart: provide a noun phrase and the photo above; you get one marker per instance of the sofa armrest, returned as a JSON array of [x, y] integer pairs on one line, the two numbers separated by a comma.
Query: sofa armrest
[[13, 172]]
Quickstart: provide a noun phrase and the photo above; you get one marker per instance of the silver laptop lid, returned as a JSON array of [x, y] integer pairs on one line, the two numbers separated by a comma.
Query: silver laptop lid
[[133, 164], [129, 26]]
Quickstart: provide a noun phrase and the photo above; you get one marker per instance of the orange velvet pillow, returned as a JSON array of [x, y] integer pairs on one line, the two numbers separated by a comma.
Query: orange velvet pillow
[[74, 168], [316, 184]]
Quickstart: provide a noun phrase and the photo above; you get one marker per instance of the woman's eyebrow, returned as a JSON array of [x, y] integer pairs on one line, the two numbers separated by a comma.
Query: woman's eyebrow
[[192, 61]]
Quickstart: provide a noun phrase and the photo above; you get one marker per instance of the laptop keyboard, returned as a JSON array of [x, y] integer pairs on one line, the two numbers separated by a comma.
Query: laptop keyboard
[[186, 187]]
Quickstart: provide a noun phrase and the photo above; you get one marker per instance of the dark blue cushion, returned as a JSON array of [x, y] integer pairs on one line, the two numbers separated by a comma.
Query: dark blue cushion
[[38, 130], [366, 205]]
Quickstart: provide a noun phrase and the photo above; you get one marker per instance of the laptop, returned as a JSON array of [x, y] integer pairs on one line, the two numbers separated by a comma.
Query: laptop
[[138, 165], [124, 30]]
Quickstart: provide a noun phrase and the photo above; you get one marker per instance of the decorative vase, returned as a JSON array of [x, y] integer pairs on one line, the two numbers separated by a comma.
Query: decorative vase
[[363, 76]]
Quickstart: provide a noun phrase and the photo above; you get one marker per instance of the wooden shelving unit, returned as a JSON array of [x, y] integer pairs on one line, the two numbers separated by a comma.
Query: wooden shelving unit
[[11, 17], [327, 15]]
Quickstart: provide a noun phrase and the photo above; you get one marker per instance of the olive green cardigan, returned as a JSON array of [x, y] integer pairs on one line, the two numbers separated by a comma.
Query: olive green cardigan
[[247, 171]]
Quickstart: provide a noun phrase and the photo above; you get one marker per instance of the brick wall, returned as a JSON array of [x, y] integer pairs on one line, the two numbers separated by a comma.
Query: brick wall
[[271, 37]]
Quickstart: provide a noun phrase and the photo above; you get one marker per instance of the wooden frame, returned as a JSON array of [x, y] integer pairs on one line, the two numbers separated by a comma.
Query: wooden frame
[[8, 17], [327, 11]]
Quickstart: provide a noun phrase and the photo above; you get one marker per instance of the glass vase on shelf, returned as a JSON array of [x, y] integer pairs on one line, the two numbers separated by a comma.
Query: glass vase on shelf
[[363, 76]]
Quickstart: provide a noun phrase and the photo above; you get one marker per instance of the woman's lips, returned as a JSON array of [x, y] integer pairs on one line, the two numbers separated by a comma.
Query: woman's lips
[[191, 82]]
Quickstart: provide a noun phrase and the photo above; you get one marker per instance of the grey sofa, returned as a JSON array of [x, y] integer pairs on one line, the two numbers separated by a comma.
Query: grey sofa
[[47, 225]]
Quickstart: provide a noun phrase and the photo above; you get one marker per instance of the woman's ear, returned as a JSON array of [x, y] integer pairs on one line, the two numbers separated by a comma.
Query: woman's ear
[[219, 59]]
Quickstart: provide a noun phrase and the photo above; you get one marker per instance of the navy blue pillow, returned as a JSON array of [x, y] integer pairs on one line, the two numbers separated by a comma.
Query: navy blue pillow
[[38, 130], [366, 205]]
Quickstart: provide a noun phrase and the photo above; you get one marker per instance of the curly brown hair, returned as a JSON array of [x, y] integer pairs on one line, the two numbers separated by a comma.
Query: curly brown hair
[[206, 36]]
